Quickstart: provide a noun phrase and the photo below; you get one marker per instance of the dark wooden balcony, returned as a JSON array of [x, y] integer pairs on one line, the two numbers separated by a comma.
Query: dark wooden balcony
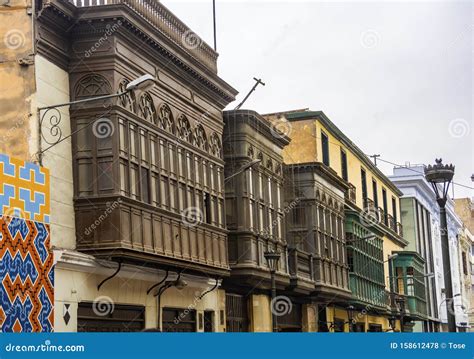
[[125, 230], [301, 269], [163, 20]]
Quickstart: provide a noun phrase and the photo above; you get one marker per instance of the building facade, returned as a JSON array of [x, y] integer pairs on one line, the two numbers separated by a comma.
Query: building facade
[[420, 214], [465, 210], [317, 240], [255, 221], [137, 211], [374, 234]]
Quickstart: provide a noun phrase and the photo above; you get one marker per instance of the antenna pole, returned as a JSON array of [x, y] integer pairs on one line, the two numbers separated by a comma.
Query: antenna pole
[[258, 82]]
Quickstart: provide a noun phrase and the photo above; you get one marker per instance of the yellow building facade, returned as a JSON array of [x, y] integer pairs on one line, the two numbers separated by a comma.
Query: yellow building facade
[[375, 203]]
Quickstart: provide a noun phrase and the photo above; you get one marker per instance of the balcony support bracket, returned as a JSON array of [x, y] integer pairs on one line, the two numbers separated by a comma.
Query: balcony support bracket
[[111, 276], [157, 284], [210, 290]]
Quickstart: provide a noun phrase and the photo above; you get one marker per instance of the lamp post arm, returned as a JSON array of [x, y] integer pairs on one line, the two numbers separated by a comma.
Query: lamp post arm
[[98, 98]]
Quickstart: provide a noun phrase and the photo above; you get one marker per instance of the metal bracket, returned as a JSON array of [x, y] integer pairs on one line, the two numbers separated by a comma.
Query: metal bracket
[[110, 277], [210, 290], [157, 284]]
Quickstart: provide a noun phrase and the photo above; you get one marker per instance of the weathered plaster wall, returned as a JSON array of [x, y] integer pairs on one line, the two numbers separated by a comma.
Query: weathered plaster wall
[[261, 316], [74, 286], [78, 282], [53, 88], [17, 82], [305, 146]]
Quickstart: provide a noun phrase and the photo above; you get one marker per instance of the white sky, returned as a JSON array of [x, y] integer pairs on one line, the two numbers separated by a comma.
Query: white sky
[[396, 77]]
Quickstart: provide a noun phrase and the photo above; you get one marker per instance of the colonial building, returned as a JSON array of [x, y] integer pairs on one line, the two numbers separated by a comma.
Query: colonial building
[[137, 201], [255, 212], [420, 215], [465, 210], [317, 239], [373, 232]]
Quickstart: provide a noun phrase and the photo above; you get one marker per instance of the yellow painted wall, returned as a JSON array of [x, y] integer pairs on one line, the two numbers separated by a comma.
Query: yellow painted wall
[[305, 146], [310, 318], [260, 313], [361, 317], [303, 134], [17, 83]]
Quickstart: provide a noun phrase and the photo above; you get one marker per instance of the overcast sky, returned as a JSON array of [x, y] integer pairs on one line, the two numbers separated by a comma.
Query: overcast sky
[[396, 77]]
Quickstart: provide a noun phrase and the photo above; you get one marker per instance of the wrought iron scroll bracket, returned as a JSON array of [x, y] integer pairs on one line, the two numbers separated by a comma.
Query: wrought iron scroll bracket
[[111, 276], [51, 115], [210, 290], [157, 284]]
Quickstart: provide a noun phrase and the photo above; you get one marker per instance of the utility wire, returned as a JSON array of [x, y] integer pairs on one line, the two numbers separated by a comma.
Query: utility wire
[[392, 163], [411, 169]]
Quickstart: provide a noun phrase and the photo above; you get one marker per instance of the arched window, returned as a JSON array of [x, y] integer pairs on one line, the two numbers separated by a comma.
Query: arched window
[[165, 118], [184, 131], [92, 85], [147, 108], [127, 100], [200, 138], [216, 146]]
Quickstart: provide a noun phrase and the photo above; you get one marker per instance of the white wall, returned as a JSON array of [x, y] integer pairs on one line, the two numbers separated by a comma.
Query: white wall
[[53, 88]]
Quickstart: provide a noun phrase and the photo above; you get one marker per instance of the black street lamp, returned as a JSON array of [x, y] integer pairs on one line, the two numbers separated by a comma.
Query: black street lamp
[[350, 316], [392, 321], [440, 177], [272, 259]]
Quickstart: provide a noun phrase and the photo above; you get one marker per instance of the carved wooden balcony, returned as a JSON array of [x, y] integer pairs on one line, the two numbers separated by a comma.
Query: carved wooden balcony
[[155, 13], [126, 231], [300, 265]]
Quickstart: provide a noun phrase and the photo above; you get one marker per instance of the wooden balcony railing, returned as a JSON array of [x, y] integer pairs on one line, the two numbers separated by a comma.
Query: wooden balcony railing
[[299, 264], [162, 19]]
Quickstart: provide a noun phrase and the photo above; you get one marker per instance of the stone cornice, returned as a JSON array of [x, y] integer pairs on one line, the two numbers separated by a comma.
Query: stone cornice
[[64, 19], [258, 123]]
